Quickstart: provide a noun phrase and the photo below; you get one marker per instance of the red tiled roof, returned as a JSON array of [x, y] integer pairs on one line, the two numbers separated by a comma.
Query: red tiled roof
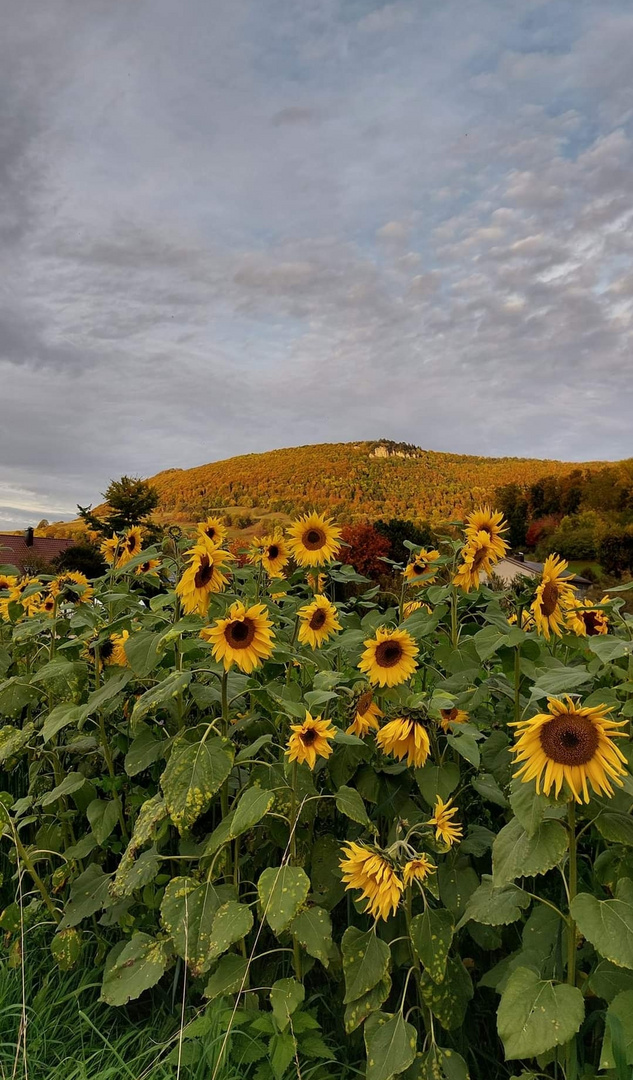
[[15, 550]]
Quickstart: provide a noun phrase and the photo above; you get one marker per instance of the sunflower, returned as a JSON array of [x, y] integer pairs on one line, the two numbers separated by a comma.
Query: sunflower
[[491, 522], [213, 529], [573, 744], [71, 585], [314, 540], [272, 553], [129, 545], [553, 596], [317, 582], [452, 716], [527, 619], [445, 828], [420, 570], [585, 620], [49, 604], [478, 556], [26, 593], [415, 605], [366, 869], [118, 655], [417, 869], [244, 637], [310, 740], [389, 658], [7, 581], [319, 621], [365, 714], [202, 577], [109, 548], [147, 567], [104, 649], [405, 737]]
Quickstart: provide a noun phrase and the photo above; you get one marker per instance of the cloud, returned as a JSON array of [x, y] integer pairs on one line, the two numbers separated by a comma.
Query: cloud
[[242, 228]]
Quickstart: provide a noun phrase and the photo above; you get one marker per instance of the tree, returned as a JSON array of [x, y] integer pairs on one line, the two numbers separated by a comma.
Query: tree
[[130, 502], [86, 558], [397, 530], [616, 552], [512, 500], [366, 546]]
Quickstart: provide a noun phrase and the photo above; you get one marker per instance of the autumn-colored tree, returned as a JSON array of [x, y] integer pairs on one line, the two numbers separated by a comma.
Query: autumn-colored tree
[[366, 547], [540, 529]]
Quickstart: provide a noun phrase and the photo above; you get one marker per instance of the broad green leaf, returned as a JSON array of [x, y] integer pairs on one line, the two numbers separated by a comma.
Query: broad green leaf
[[13, 740], [252, 807], [193, 775], [618, 828], [313, 929], [359, 1009], [60, 717], [285, 997], [102, 816], [366, 960], [132, 969], [349, 802], [187, 912], [536, 1015], [486, 786], [250, 752], [495, 907], [620, 1010], [88, 894], [71, 783], [136, 874], [465, 744], [457, 882], [434, 780], [66, 948], [438, 1064], [228, 977], [141, 649], [609, 648], [608, 924], [391, 1044], [607, 980], [232, 922], [15, 694], [515, 854], [59, 668], [144, 750], [557, 681], [432, 934], [282, 891], [162, 695], [529, 808], [152, 813], [478, 841], [115, 684], [281, 1051], [449, 999]]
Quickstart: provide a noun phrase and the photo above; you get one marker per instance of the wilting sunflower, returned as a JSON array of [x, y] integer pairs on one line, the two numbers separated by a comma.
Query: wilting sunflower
[[553, 596], [452, 716], [420, 571], [118, 655], [318, 622], [310, 740], [202, 577], [109, 548], [213, 529], [389, 657], [407, 737], [491, 522], [478, 556], [365, 714], [585, 620], [314, 540], [147, 567], [366, 869], [72, 586], [417, 869], [570, 744], [244, 637], [129, 545], [445, 828], [273, 554], [415, 605]]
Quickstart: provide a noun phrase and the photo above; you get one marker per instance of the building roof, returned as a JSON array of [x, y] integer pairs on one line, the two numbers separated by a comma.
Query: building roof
[[15, 550], [537, 569]]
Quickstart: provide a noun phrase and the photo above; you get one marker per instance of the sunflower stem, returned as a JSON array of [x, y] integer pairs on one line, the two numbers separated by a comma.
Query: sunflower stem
[[517, 683], [571, 1059], [454, 624], [408, 910], [225, 732]]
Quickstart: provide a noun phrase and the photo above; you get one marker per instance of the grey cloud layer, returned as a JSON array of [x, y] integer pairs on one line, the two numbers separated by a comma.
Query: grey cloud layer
[[233, 227]]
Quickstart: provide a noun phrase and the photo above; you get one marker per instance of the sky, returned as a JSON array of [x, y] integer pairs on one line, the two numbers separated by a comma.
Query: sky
[[227, 227]]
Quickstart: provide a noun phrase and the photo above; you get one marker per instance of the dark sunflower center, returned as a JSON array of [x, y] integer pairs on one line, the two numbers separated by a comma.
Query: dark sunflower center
[[106, 649], [480, 557], [388, 653], [211, 531], [145, 567], [239, 634], [364, 702], [569, 740], [308, 737], [549, 599], [590, 619], [273, 551], [131, 543], [314, 539], [449, 714], [204, 573], [419, 567], [318, 619]]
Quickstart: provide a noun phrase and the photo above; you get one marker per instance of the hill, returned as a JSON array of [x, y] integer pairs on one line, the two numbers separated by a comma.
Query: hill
[[352, 481]]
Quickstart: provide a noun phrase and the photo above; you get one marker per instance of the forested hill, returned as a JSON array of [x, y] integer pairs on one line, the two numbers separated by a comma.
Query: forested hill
[[353, 481]]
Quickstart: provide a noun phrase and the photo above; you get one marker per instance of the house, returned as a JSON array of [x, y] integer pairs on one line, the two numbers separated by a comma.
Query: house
[[512, 567], [28, 552]]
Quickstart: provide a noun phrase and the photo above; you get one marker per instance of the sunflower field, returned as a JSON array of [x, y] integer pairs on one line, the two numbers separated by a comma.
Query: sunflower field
[[345, 832]]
